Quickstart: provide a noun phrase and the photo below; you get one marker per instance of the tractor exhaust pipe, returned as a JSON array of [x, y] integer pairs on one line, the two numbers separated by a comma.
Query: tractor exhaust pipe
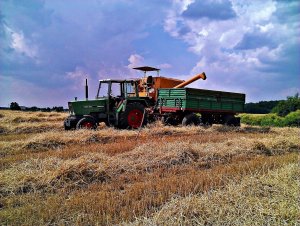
[[196, 77], [86, 89]]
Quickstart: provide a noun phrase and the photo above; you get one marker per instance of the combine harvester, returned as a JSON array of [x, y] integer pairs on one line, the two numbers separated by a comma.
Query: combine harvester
[[132, 103]]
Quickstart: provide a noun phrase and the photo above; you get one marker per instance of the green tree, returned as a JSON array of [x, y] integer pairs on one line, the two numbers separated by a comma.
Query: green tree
[[14, 106], [284, 107]]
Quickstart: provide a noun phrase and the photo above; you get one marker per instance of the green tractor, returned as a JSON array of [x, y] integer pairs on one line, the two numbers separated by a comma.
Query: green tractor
[[117, 104]]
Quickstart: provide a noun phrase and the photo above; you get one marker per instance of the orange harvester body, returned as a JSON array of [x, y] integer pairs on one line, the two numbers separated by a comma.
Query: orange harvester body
[[148, 85]]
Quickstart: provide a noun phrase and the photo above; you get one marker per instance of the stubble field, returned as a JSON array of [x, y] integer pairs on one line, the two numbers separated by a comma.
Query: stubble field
[[158, 175]]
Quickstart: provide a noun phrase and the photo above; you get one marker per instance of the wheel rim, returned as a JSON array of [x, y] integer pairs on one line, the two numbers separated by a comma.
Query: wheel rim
[[87, 125], [135, 118]]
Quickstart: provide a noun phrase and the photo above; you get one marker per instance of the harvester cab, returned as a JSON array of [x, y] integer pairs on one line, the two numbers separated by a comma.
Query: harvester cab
[[148, 85]]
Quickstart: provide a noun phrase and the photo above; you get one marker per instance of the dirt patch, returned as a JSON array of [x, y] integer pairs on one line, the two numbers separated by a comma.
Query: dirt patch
[[250, 129], [45, 145], [99, 139], [3, 130], [247, 129], [260, 148], [35, 129], [185, 157], [75, 178], [24, 119]]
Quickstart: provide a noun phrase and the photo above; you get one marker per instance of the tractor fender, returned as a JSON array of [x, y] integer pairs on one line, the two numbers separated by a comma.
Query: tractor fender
[[90, 117], [143, 102]]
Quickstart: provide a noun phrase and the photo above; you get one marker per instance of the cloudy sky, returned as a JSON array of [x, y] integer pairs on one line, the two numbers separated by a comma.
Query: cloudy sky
[[48, 47]]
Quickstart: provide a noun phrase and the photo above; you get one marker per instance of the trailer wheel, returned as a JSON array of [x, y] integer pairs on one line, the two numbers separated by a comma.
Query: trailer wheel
[[133, 117], [190, 119], [86, 123], [169, 120], [206, 119], [230, 120]]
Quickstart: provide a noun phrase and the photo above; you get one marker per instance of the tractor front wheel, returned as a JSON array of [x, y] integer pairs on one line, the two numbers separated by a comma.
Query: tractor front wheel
[[86, 123], [133, 117]]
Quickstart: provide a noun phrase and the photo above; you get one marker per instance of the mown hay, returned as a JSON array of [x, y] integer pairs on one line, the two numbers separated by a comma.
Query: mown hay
[[266, 199], [78, 173], [3, 130], [44, 145]]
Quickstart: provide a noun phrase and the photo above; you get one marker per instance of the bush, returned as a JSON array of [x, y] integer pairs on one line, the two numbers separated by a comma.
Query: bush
[[262, 107], [284, 107], [292, 119]]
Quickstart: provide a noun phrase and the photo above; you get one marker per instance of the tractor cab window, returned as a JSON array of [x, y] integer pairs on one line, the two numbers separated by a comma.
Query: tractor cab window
[[115, 89], [130, 89], [103, 89]]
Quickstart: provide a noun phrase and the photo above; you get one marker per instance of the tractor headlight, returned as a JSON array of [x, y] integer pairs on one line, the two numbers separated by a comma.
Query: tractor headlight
[[71, 110]]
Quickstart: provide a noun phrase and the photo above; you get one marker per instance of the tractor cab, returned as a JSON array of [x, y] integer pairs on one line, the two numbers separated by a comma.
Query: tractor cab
[[117, 103], [116, 91], [113, 88]]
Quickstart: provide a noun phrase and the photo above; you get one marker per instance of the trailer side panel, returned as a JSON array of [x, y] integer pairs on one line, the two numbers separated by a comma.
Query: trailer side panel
[[200, 100]]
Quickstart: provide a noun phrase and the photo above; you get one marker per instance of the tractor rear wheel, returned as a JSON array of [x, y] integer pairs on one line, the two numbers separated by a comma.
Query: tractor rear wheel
[[190, 119], [133, 117], [86, 123]]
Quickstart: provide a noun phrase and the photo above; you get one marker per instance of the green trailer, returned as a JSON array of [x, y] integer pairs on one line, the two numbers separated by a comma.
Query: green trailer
[[185, 105]]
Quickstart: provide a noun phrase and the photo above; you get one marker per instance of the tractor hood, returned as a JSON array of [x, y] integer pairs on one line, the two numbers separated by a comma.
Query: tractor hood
[[86, 107]]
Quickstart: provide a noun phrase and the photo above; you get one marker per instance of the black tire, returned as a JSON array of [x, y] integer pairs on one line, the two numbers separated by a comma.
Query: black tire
[[206, 119], [70, 122], [230, 120], [86, 123], [191, 119], [132, 117], [67, 127], [168, 120]]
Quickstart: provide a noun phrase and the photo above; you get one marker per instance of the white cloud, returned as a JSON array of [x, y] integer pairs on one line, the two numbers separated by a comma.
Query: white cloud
[[135, 60], [263, 40], [265, 28], [77, 77], [164, 66], [254, 11], [22, 45]]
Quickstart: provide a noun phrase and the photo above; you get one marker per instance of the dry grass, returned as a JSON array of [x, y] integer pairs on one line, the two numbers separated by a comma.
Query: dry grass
[[108, 176], [268, 199]]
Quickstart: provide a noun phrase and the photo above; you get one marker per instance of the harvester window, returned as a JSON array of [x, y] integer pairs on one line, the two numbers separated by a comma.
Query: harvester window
[[130, 88]]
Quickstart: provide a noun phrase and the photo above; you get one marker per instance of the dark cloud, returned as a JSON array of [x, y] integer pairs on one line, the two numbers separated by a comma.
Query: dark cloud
[[255, 40], [286, 64], [94, 39], [28, 15], [288, 11], [214, 10]]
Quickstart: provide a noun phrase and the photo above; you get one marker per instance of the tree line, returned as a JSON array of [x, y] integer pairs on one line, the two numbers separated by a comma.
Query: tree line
[[17, 107], [280, 107]]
